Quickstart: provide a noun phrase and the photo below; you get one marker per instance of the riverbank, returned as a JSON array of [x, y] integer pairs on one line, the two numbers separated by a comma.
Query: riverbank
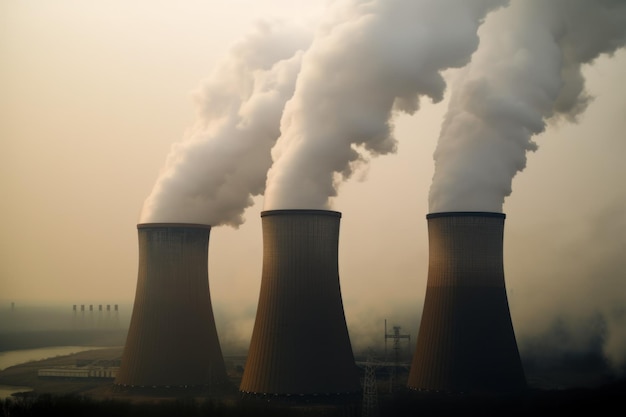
[[20, 356], [25, 374]]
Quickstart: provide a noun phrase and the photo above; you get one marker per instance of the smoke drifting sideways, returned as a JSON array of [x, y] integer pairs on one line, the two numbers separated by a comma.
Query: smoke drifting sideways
[[525, 74], [211, 176], [368, 61]]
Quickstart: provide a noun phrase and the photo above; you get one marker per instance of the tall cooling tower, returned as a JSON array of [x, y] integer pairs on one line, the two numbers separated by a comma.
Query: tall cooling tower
[[466, 341], [300, 343], [172, 340]]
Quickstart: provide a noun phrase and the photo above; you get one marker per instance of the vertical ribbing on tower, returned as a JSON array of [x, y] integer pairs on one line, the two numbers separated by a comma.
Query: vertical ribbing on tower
[[172, 339], [466, 341], [300, 343]]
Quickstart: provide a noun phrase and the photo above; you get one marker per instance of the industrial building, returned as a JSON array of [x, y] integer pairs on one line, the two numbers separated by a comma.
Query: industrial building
[[300, 344], [73, 372], [466, 341], [172, 339]]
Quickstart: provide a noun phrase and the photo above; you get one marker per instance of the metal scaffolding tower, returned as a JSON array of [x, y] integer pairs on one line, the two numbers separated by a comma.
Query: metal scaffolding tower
[[370, 389], [396, 336]]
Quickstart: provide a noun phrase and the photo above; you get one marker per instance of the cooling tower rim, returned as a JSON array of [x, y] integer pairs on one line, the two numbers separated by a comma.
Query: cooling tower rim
[[466, 214], [305, 212], [173, 225]]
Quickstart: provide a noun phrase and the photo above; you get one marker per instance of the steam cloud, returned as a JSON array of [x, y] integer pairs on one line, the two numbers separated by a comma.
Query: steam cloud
[[212, 175], [526, 72], [368, 60], [308, 111]]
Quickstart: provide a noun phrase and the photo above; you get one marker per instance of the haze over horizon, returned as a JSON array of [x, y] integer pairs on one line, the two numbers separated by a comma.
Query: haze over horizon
[[97, 95]]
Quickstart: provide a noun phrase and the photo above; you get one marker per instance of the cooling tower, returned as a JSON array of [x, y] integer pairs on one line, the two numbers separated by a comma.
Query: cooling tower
[[172, 340], [300, 343], [466, 341]]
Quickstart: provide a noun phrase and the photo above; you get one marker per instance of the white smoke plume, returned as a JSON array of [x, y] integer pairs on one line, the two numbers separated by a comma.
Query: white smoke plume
[[211, 176], [368, 60], [527, 72]]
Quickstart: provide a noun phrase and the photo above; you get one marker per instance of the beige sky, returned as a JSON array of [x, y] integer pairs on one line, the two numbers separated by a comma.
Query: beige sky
[[94, 94]]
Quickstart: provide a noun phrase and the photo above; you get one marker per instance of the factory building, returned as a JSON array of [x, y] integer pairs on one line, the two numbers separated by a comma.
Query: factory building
[[69, 372]]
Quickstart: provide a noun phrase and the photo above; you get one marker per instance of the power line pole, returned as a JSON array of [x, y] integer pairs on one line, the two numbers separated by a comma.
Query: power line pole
[[396, 336], [370, 389]]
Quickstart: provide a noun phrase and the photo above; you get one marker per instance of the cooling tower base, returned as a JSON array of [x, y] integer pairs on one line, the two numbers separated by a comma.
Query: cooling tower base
[[330, 399], [475, 351], [210, 390]]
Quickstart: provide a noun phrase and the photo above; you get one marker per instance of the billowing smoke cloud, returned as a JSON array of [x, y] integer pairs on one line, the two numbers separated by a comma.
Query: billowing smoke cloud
[[577, 307], [526, 72], [333, 106], [369, 59], [212, 175]]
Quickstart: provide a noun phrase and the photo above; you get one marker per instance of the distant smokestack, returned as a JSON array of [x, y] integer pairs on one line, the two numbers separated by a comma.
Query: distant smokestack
[[466, 341], [300, 343], [172, 339]]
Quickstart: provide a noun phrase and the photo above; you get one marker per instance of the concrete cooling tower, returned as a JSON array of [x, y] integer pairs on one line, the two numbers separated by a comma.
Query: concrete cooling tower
[[466, 341], [300, 344], [172, 340]]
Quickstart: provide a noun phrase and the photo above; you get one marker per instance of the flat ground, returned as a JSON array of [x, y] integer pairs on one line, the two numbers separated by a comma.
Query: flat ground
[[599, 399], [26, 375]]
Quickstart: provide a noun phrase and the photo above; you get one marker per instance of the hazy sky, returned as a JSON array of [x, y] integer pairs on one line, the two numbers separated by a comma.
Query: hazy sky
[[94, 95]]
